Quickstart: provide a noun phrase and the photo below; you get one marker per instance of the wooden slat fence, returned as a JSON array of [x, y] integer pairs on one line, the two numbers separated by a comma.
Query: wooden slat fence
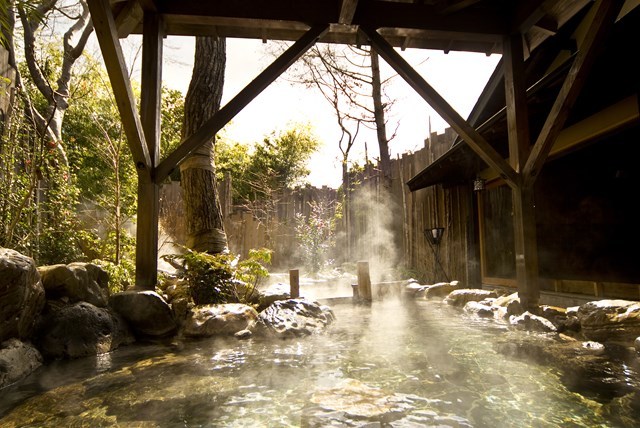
[[386, 222]]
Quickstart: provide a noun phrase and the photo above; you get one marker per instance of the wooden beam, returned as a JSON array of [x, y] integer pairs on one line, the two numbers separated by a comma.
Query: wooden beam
[[448, 113], [524, 222], [347, 10], [450, 6], [526, 15], [107, 35], [602, 16], [148, 189], [244, 97], [382, 14], [516, 100], [315, 12], [525, 247], [128, 19]]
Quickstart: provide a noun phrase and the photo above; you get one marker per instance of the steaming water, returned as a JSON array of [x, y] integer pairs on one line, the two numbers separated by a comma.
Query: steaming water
[[400, 364]]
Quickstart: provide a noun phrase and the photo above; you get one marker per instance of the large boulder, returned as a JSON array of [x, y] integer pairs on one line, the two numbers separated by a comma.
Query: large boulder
[[272, 294], [219, 320], [17, 360], [76, 282], [21, 295], [295, 317], [610, 320], [147, 313], [441, 290], [583, 366], [80, 329], [460, 297], [530, 322]]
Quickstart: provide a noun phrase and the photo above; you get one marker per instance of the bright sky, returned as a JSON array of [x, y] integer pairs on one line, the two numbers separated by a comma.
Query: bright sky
[[458, 77]]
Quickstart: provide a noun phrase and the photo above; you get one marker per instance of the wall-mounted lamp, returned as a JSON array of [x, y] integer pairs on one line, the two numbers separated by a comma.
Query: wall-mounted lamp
[[434, 235], [479, 184]]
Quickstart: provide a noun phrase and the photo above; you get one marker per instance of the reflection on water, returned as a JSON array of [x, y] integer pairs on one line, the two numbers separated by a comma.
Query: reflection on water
[[400, 364]]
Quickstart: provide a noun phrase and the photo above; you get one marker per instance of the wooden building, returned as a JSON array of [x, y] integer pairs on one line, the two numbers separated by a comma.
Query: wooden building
[[585, 235], [520, 30]]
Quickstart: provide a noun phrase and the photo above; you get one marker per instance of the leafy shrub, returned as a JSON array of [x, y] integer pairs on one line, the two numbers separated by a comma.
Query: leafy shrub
[[121, 276], [221, 278]]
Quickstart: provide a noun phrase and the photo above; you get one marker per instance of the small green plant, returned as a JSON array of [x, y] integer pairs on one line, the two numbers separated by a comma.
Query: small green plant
[[252, 270], [221, 278], [121, 276]]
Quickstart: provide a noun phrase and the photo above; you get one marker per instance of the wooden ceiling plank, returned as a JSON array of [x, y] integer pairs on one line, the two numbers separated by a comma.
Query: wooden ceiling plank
[[277, 10], [107, 35], [473, 23], [451, 6], [347, 11], [440, 105], [603, 15], [244, 97]]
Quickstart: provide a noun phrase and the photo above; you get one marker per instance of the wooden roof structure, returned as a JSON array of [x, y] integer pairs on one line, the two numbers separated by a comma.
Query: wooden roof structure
[[612, 85], [513, 28]]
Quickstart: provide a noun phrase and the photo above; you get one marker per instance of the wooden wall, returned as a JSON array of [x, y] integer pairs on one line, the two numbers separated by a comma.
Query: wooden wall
[[436, 206], [386, 224]]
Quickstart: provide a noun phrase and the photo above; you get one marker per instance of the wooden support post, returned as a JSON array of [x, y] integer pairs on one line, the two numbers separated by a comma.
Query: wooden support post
[[294, 283], [526, 248], [524, 221], [148, 189], [364, 282]]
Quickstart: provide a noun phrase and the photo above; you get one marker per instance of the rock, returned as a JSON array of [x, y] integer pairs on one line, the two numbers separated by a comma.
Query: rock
[[587, 367], [357, 399], [478, 309], [462, 296], [79, 330], [79, 282], [21, 295], [219, 320], [180, 309], [17, 361], [440, 290], [146, 312], [530, 322], [243, 334], [623, 411], [507, 306], [413, 290], [275, 292], [610, 320], [295, 317]]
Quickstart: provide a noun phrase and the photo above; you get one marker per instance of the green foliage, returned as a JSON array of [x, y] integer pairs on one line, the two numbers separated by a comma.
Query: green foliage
[[279, 161], [121, 276], [221, 278], [58, 223], [316, 235], [172, 115], [252, 270], [6, 27], [38, 197], [102, 164]]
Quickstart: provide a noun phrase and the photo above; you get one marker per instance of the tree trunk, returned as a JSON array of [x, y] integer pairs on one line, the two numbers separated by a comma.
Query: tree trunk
[[204, 223], [378, 113]]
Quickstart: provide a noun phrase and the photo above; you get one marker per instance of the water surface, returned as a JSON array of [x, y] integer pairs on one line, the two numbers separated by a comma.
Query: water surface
[[394, 363]]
